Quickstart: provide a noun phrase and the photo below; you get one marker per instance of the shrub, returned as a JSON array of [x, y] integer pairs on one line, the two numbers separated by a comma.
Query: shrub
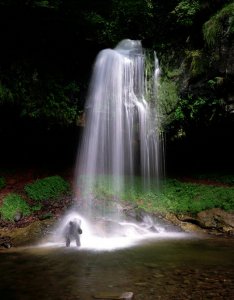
[[219, 25], [185, 11], [2, 182], [12, 204], [47, 188]]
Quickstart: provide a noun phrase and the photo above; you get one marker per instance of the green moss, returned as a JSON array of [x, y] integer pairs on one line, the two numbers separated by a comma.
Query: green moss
[[222, 23], [47, 188], [196, 61], [12, 204], [168, 99], [173, 195]]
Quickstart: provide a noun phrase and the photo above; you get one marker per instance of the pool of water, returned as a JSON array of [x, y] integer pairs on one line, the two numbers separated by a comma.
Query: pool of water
[[172, 268]]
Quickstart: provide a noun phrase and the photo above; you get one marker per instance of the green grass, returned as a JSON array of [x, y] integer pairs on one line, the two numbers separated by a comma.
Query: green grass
[[189, 197], [172, 196], [47, 188], [12, 204]]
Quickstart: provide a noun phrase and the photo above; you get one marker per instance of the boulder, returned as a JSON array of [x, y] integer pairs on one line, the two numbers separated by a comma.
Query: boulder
[[5, 242], [28, 235], [213, 221], [218, 219]]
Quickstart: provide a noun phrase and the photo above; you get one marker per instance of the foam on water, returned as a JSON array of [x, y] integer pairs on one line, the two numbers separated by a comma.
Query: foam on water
[[122, 235]]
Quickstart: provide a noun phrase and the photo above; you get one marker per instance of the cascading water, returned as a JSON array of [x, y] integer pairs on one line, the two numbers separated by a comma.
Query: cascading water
[[120, 135], [120, 141]]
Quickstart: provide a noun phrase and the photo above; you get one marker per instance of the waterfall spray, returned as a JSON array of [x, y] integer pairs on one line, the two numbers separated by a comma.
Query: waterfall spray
[[120, 138], [120, 142]]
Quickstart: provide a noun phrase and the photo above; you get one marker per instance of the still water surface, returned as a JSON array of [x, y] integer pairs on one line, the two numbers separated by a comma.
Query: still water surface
[[188, 268]]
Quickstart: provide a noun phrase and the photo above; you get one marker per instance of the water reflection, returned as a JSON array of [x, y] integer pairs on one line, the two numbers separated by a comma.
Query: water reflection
[[171, 269]]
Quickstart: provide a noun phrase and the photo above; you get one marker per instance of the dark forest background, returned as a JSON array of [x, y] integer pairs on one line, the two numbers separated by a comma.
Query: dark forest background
[[47, 51]]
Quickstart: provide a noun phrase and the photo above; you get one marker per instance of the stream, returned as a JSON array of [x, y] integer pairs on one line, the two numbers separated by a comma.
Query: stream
[[163, 268]]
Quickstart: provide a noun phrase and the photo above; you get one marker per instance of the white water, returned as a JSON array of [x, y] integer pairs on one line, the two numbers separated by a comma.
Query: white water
[[120, 140], [100, 238], [120, 136]]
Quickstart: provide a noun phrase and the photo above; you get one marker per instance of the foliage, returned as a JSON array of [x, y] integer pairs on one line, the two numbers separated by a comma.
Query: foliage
[[5, 94], [131, 16], [219, 25], [172, 195], [49, 47], [197, 110], [185, 11], [37, 98], [47, 188], [2, 182], [168, 99], [12, 204], [196, 61], [181, 197]]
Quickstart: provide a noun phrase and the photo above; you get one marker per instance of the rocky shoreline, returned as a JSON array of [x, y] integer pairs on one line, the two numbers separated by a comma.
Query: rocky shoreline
[[216, 222], [213, 221]]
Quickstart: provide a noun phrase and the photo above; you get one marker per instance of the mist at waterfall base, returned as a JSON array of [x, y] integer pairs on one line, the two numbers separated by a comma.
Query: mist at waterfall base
[[120, 144]]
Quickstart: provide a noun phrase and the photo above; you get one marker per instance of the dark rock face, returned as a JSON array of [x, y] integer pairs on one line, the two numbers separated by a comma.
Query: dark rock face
[[226, 54]]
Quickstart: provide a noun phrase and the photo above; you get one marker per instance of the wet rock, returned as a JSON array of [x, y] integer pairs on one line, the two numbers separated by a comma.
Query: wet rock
[[153, 229], [18, 216], [114, 295], [214, 221], [188, 227], [5, 242], [28, 235], [218, 219], [107, 228], [46, 216], [142, 284], [151, 265]]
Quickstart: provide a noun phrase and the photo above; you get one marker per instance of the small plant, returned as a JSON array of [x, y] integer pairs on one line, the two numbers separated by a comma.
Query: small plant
[[47, 188], [12, 204], [2, 182]]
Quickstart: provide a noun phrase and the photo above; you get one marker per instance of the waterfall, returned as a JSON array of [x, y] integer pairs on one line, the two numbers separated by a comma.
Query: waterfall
[[119, 146], [120, 138]]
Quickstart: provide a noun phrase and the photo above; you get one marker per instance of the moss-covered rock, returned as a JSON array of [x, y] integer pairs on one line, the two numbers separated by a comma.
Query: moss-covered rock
[[29, 235]]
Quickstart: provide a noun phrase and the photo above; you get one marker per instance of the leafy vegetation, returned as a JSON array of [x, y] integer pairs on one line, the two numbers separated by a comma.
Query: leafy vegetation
[[47, 188], [185, 11], [12, 204], [219, 25], [188, 197], [168, 98], [172, 196], [48, 48]]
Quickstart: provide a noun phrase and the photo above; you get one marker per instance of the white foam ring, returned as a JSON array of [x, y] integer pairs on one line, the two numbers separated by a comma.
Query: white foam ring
[[110, 236]]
